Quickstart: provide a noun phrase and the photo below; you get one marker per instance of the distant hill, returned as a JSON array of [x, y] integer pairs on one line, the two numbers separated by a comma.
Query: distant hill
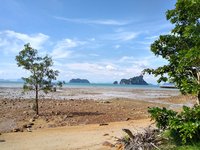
[[138, 80], [11, 80], [79, 81]]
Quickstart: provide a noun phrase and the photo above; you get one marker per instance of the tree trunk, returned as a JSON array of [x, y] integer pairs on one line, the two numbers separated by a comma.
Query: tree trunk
[[198, 99], [198, 81], [36, 99]]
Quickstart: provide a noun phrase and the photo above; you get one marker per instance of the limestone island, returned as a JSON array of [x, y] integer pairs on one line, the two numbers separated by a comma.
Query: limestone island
[[138, 80], [79, 81]]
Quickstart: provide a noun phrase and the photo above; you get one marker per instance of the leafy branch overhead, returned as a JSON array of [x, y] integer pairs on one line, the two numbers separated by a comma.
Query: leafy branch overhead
[[181, 48]]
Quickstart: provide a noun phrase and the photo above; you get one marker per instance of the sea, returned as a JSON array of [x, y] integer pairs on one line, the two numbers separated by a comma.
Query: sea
[[91, 85]]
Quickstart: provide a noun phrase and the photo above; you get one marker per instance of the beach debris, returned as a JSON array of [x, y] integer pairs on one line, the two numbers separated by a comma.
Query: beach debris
[[2, 140], [105, 102], [25, 126], [25, 112], [103, 124], [16, 129], [29, 126], [69, 115], [57, 113], [149, 139], [32, 120], [106, 134], [29, 130], [127, 119], [119, 146], [106, 143], [30, 123]]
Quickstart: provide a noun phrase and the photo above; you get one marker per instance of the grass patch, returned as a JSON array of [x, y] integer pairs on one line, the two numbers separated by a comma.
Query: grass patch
[[171, 146]]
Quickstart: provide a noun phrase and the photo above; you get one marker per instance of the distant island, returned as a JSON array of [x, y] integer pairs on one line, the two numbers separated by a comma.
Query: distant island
[[115, 82], [79, 81], [138, 80]]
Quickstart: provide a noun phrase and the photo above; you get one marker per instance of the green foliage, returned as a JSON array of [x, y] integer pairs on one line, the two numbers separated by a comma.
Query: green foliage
[[161, 116], [41, 74], [184, 127], [181, 48], [60, 83], [195, 146]]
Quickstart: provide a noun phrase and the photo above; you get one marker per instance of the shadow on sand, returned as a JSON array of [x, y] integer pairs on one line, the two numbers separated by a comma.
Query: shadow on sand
[[71, 114]]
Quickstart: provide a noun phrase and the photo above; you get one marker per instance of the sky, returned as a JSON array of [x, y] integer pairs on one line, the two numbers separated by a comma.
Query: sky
[[98, 40]]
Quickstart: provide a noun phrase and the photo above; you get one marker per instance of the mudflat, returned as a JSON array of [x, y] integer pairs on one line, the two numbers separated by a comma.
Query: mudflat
[[84, 120]]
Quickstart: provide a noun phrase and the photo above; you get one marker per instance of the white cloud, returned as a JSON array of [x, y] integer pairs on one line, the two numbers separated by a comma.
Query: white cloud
[[152, 37], [63, 48], [126, 36], [117, 46], [121, 36], [103, 71], [92, 39], [11, 71], [67, 43], [60, 53], [93, 55], [89, 67], [110, 67], [90, 21], [133, 60], [11, 41]]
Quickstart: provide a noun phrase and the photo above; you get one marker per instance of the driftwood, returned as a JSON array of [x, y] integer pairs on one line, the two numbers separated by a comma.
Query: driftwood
[[147, 140]]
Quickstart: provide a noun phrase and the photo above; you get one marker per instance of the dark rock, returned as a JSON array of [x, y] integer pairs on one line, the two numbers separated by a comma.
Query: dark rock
[[25, 126], [79, 81], [106, 134], [105, 102], [103, 124], [138, 80], [30, 124], [58, 113], [2, 140]]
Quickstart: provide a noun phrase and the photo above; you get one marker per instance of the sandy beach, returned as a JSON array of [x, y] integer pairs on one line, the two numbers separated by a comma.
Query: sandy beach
[[78, 118]]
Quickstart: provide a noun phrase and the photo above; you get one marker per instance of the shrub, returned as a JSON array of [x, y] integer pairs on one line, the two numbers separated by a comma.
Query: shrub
[[161, 116], [184, 127]]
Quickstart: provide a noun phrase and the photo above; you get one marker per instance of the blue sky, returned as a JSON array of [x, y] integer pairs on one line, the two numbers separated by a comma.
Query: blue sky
[[101, 40]]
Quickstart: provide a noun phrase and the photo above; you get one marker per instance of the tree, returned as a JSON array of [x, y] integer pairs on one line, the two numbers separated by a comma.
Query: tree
[[40, 69], [181, 48]]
